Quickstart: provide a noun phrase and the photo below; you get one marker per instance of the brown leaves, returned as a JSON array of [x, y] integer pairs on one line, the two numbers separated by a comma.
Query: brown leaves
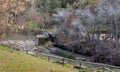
[[40, 18], [12, 5], [8, 10]]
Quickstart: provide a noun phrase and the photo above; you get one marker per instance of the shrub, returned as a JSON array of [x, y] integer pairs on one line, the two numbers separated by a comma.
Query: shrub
[[115, 57], [107, 53], [65, 54]]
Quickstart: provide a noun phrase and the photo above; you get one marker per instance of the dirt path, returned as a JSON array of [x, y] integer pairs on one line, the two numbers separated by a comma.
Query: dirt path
[[20, 44]]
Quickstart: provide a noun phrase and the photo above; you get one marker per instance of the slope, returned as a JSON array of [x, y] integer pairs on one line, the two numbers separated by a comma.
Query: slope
[[13, 61]]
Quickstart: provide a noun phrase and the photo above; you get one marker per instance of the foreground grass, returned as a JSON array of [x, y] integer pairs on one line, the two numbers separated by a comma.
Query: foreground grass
[[12, 61]]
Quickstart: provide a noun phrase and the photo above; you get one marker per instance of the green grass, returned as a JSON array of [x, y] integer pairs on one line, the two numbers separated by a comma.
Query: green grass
[[116, 70], [32, 25], [13, 61]]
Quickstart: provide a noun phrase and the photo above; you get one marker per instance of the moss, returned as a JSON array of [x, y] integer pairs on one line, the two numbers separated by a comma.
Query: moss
[[5, 48]]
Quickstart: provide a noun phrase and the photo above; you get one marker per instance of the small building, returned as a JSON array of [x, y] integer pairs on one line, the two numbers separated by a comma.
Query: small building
[[44, 38], [41, 39]]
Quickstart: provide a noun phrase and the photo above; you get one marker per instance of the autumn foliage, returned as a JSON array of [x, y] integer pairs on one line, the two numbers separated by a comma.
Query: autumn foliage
[[9, 10]]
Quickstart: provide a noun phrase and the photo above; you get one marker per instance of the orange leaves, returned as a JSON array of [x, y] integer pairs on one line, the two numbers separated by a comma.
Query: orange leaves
[[14, 5], [8, 9]]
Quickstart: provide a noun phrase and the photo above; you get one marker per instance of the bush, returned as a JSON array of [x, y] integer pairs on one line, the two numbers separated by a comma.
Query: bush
[[107, 53], [102, 52], [115, 57], [65, 54]]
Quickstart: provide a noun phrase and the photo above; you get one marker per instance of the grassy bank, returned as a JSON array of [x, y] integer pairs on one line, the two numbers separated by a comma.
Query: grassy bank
[[12, 61]]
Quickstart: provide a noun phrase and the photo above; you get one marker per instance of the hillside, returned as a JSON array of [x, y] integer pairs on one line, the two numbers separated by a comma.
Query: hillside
[[12, 61], [89, 28]]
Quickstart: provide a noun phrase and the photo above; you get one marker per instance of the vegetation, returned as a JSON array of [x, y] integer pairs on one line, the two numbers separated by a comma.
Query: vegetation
[[91, 27], [65, 54], [92, 30], [9, 12], [12, 61]]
